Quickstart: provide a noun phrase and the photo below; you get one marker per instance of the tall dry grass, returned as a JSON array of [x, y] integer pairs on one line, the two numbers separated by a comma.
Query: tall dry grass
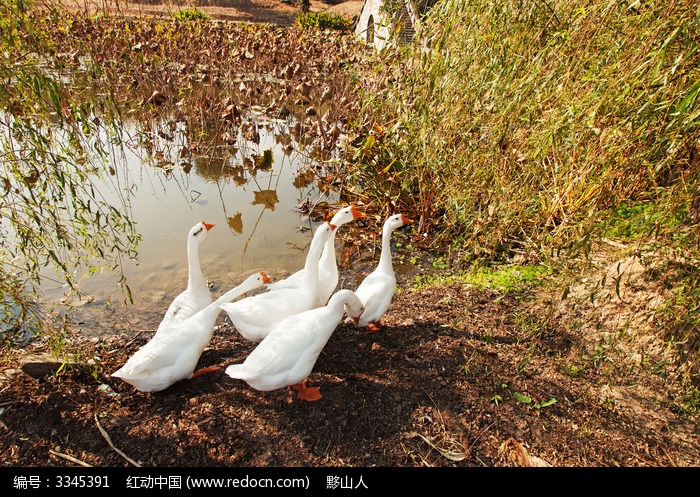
[[523, 123], [530, 128]]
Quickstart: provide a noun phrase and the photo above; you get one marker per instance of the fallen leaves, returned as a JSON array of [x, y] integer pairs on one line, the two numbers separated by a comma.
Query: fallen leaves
[[513, 453], [263, 162], [213, 73]]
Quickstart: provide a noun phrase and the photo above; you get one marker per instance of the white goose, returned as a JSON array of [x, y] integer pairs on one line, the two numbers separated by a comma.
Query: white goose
[[197, 295], [377, 289], [255, 316], [172, 354], [289, 352], [327, 266]]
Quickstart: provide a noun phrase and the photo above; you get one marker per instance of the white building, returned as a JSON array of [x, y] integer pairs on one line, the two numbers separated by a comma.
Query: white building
[[378, 27]]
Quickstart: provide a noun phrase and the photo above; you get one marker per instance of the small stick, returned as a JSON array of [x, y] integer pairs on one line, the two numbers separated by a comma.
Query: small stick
[[673, 463], [133, 339], [109, 441], [70, 458]]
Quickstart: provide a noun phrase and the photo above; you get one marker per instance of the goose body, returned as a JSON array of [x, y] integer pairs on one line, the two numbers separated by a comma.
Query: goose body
[[197, 295], [289, 352], [256, 315], [327, 266], [377, 289], [173, 352]]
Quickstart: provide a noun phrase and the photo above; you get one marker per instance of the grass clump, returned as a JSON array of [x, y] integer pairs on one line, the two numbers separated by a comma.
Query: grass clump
[[190, 14], [537, 129], [323, 20], [507, 279], [511, 124]]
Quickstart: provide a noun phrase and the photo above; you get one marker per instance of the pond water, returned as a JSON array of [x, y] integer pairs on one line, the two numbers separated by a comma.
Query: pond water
[[250, 192]]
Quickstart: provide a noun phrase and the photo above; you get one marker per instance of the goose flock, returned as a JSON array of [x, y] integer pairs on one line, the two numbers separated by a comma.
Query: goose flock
[[290, 322]]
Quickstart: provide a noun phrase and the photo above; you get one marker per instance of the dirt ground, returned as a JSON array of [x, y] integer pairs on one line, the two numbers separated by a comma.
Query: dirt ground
[[458, 377], [454, 379], [266, 11]]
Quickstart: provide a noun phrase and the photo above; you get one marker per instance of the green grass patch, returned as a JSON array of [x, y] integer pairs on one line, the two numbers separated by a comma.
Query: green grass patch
[[190, 14], [638, 220], [323, 20], [508, 279], [541, 128]]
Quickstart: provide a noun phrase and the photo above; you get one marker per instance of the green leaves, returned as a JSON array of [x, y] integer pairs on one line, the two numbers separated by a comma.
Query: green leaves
[[323, 20], [190, 14], [529, 402], [54, 147]]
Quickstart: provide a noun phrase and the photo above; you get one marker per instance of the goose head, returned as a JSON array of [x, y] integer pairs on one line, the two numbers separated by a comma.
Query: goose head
[[396, 221], [199, 231], [346, 215], [324, 231], [354, 310]]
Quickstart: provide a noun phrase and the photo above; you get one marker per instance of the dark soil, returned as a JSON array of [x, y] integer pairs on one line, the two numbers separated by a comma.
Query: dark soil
[[442, 384], [459, 376]]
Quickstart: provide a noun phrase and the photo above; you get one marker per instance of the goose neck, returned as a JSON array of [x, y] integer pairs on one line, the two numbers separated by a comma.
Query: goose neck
[[328, 255], [194, 271], [313, 258], [385, 255]]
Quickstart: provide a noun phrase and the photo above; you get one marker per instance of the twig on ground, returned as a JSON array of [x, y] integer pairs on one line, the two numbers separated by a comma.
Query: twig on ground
[[452, 455], [673, 463], [136, 336], [109, 441], [70, 458]]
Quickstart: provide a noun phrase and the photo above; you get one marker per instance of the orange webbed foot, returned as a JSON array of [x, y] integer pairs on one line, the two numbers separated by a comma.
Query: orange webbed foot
[[374, 326], [206, 370], [310, 394], [307, 393]]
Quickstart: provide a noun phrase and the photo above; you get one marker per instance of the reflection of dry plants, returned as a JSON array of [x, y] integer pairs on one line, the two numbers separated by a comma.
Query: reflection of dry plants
[[211, 89]]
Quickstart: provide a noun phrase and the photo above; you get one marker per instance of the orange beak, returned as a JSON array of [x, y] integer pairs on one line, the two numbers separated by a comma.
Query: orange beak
[[207, 225], [356, 319], [333, 226], [356, 214], [265, 277], [406, 220]]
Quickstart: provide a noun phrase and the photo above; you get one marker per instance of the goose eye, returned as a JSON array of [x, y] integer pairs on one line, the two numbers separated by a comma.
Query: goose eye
[[198, 231]]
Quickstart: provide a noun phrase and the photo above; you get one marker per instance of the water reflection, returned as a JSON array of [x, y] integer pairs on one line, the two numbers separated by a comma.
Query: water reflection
[[257, 188]]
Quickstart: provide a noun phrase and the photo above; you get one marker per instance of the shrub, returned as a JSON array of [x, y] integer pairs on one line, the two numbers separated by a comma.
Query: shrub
[[190, 14], [323, 20]]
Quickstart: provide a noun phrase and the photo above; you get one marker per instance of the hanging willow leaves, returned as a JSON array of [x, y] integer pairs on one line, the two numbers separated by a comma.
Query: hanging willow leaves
[[50, 216]]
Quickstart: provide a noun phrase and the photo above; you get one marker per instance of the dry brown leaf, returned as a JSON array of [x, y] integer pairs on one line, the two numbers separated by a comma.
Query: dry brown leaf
[[514, 454], [157, 98], [304, 178]]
